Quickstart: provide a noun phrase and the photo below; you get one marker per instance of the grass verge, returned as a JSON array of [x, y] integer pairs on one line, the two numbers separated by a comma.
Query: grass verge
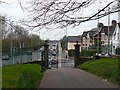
[[21, 76], [106, 68]]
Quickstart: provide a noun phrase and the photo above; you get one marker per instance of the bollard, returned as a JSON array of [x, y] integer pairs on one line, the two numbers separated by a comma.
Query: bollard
[[77, 54]]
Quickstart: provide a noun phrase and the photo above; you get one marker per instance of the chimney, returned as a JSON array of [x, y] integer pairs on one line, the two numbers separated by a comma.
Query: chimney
[[100, 25], [114, 23]]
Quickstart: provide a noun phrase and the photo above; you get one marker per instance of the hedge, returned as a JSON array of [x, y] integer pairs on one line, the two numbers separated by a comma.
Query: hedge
[[88, 53]]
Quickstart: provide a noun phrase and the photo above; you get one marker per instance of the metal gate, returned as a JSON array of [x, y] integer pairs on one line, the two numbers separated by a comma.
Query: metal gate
[[59, 63], [66, 62]]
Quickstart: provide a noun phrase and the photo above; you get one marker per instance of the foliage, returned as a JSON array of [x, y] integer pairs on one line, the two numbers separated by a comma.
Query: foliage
[[88, 53], [64, 43], [16, 34], [71, 52], [98, 47], [117, 50], [21, 76], [34, 41], [106, 68], [6, 44], [26, 80]]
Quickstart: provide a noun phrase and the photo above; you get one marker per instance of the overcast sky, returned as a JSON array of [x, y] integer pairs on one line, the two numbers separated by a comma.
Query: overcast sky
[[13, 10]]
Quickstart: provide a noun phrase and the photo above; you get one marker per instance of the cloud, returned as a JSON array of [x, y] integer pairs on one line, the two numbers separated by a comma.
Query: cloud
[[12, 10]]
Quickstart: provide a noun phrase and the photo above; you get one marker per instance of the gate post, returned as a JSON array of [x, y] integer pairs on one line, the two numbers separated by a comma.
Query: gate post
[[46, 50], [42, 62], [77, 54]]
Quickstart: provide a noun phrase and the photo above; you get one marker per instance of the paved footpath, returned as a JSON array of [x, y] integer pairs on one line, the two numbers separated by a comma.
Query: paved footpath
[[73, 78]]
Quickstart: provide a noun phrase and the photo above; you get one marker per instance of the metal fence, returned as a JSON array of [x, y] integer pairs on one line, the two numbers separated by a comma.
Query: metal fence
[[25, 58]]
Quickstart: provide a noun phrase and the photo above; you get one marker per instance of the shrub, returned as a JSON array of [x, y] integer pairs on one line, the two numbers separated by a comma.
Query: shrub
[[117, 50], [71, 52], [26, 79], [88, 53]]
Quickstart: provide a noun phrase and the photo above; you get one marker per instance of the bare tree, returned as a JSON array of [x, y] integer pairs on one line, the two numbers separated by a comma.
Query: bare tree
[[62, 13], [4, 27], [1, 2], [20, 31]]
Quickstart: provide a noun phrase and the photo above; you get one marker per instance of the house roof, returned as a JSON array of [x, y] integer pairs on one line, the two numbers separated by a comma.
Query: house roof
[[84, 34], [94, 29], [105, 30], [92, 33], [74, 38], [98, 31]]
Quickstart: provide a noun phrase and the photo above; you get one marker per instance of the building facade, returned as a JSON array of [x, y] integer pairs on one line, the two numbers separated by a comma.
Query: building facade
[[71, 41], [116, 38]]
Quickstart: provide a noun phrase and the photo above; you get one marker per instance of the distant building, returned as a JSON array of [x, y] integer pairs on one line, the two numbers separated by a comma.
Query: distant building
[[88, 39], [84, 40], [104, 37], [91, 38], [71, 41], [98, 38]]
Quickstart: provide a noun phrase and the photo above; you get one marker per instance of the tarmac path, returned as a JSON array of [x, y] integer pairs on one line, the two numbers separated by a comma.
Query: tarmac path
[[68, 77]]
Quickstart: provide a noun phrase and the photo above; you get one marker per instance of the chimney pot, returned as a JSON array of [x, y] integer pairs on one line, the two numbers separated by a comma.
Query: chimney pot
[[114, 22]]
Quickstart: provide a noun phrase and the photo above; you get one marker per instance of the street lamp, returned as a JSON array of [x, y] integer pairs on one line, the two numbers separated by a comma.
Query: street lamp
[[98, 46], [12, 48], [31, 41], [21, 47], [67, 43], [108, 31], [1, 30], [98, 36]]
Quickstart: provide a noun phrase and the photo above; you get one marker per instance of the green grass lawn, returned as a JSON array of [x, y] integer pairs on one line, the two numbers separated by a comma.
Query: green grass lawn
[[0, 77], [21, 76], [106, 68]]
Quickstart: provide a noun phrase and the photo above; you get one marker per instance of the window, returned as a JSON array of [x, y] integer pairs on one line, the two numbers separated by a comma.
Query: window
[[114, 36], [118, 36], [102, 36]]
